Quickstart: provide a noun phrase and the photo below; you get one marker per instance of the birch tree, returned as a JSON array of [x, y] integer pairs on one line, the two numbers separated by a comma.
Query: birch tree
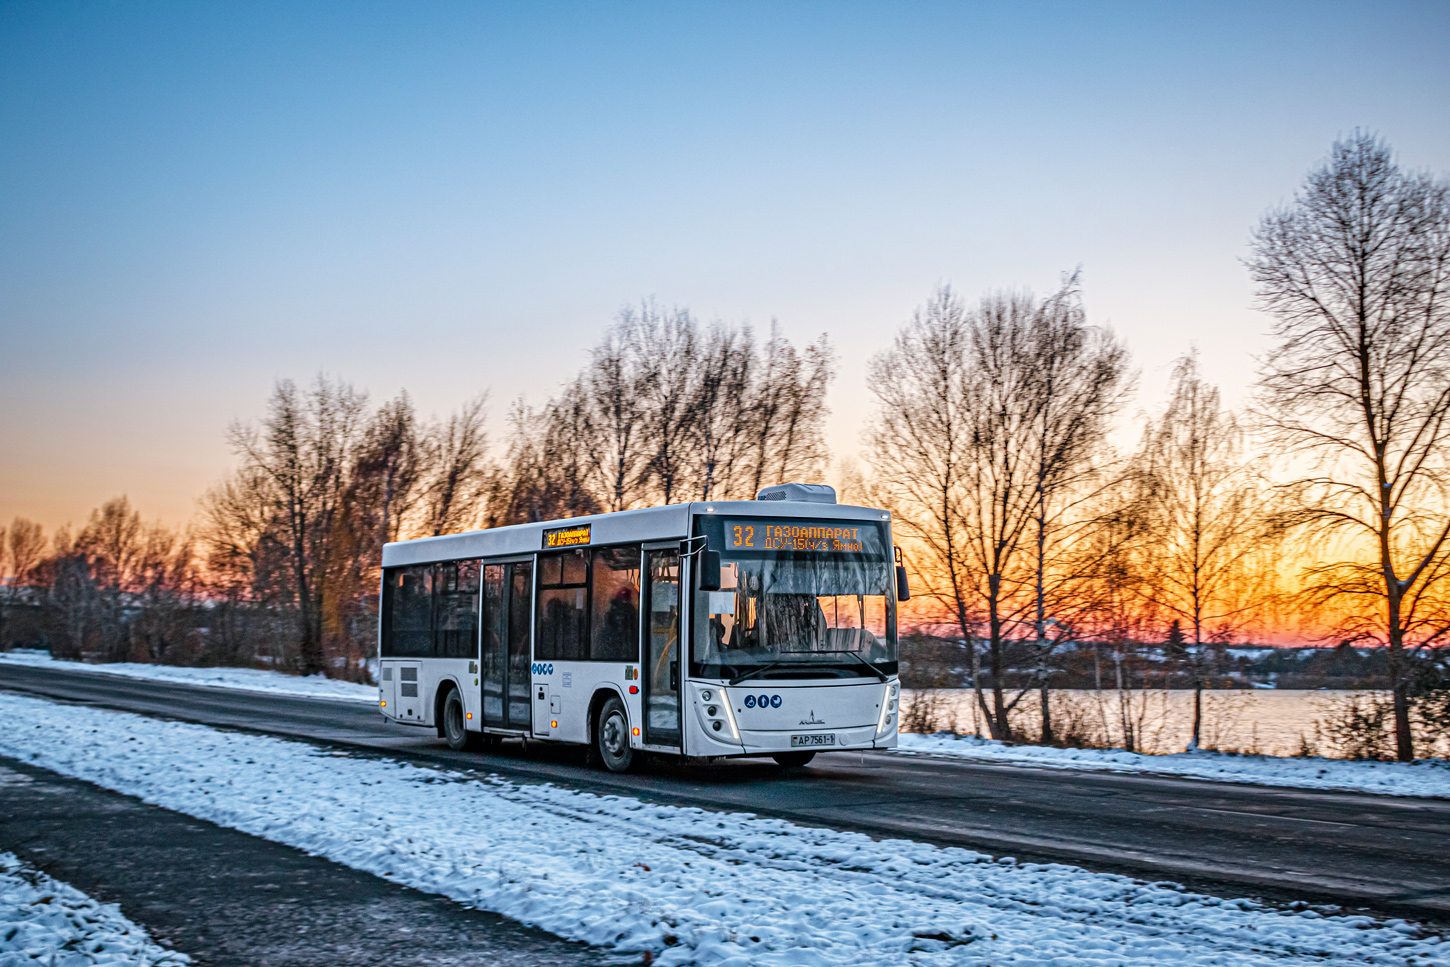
[[1356, 274], [1208, 521], [987, 418]]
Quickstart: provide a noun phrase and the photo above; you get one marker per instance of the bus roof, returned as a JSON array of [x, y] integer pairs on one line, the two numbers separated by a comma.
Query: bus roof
[[670, 522]]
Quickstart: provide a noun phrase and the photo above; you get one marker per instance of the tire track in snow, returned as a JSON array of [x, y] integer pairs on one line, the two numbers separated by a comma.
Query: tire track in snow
[[1177, 915]]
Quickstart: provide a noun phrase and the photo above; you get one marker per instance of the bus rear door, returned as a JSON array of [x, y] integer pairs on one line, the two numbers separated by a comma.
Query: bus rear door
[[507, 626]]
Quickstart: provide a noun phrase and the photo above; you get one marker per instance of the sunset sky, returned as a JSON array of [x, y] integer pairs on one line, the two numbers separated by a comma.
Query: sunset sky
[[197, 199]]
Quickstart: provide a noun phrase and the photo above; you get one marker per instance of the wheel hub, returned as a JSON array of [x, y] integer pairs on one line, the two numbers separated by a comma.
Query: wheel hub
[[614, 735]]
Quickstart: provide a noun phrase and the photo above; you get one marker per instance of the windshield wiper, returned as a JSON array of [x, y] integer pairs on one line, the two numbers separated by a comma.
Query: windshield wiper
[[758, 670], [762, 669], [879, 673]]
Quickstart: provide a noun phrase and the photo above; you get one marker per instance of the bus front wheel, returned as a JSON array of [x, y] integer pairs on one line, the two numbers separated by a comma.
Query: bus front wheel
[[611, 737], [793, 760]]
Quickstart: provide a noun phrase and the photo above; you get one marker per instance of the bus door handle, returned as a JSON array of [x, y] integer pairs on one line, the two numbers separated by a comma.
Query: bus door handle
[[674, 677]]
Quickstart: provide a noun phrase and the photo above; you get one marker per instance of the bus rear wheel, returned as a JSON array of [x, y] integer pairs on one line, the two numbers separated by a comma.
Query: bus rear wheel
[[793, 760], [611, 737], [455, 728]]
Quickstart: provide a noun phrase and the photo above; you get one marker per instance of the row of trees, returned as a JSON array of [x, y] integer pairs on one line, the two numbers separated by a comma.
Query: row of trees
[[281, 565], [669, 409], [992, 446]]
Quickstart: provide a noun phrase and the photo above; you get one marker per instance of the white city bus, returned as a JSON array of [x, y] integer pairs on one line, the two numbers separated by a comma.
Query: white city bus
[[709, 629]]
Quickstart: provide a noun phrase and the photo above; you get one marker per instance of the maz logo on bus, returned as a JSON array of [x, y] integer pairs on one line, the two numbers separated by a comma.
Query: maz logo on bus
[[540, 668], [763, 701]]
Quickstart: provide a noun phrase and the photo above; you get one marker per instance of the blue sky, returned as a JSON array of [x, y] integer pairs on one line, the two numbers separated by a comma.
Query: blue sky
[[196, 199]]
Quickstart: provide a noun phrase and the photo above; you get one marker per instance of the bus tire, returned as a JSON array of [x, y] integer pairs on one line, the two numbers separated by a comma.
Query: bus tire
[[455, 723], [611, 737], [793, 760]]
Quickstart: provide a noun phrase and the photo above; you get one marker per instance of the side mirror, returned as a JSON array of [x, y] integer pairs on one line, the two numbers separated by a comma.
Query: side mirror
[[709, 570], [903, 590]]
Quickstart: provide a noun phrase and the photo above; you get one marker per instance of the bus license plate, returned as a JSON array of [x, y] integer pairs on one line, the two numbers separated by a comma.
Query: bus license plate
[[797, 741]]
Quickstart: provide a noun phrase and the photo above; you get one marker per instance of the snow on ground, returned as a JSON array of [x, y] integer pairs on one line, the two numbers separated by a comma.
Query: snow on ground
[[243, 679], [687, 885], [1426, 777], [45, 921]]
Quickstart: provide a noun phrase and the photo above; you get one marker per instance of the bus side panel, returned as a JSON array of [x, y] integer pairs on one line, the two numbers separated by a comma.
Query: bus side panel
[[403, 678], [388, 687], [439, 673], [562, 694]]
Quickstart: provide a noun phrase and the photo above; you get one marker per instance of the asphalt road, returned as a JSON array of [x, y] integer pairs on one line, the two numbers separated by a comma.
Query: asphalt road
[[1381, 853], [228, 899]]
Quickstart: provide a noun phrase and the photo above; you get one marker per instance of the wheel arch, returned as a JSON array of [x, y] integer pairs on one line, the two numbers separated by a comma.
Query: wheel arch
[[602, 694], [445, 685]]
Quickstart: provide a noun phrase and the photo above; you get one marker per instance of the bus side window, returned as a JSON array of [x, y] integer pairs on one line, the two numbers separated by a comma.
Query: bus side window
[[563, 610], [455, 626], [408, 632], [614, 621]]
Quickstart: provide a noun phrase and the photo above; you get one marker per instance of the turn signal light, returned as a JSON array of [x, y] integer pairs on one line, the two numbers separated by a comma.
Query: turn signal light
[[385, 704], [469, 716], [636, 730], [554, 724]]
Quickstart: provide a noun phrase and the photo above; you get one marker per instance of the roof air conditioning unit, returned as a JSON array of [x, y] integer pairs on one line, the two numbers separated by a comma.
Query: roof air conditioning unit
[[807, 493]]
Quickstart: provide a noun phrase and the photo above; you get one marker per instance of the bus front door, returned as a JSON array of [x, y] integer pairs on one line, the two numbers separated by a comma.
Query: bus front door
[[662, 650]]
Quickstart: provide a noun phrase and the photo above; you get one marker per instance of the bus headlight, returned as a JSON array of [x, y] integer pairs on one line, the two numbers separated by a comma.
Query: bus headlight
[[719, 717], [886, 721]]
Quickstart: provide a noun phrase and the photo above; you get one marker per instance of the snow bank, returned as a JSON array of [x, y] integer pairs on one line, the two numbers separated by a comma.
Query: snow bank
[[45, 921], [687, 885], [243, 679], [1426, 777]]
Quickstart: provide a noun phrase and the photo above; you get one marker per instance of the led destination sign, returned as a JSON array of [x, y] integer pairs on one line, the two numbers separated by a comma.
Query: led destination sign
[[834, 536], [566, 536]]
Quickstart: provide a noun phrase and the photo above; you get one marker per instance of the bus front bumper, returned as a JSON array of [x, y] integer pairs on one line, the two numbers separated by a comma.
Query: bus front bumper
[[826, 740]]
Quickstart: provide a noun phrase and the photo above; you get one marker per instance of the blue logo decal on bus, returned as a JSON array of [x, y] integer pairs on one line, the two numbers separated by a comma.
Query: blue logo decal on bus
[[775, 701], [763, 701], [750, 701], [542, 668]]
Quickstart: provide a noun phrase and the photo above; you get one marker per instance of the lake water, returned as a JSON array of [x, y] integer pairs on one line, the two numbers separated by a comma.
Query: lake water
[[1270, 721]]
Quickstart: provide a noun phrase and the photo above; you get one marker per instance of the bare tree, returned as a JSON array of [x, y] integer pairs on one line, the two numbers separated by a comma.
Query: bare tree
[[989, 417], [665, 344], [787, 412], [1208, 520], [669, 409], [120, 590], [390, 468], [22, 549], [27, 548], [105, 561], [288, 494], [918, 447], [725, 368], [610, 395], [1080, 383], [1356, 272], [544, 473], [457, 469]]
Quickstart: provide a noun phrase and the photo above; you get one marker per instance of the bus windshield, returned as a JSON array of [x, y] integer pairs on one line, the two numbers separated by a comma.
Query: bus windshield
[[798, 608]]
